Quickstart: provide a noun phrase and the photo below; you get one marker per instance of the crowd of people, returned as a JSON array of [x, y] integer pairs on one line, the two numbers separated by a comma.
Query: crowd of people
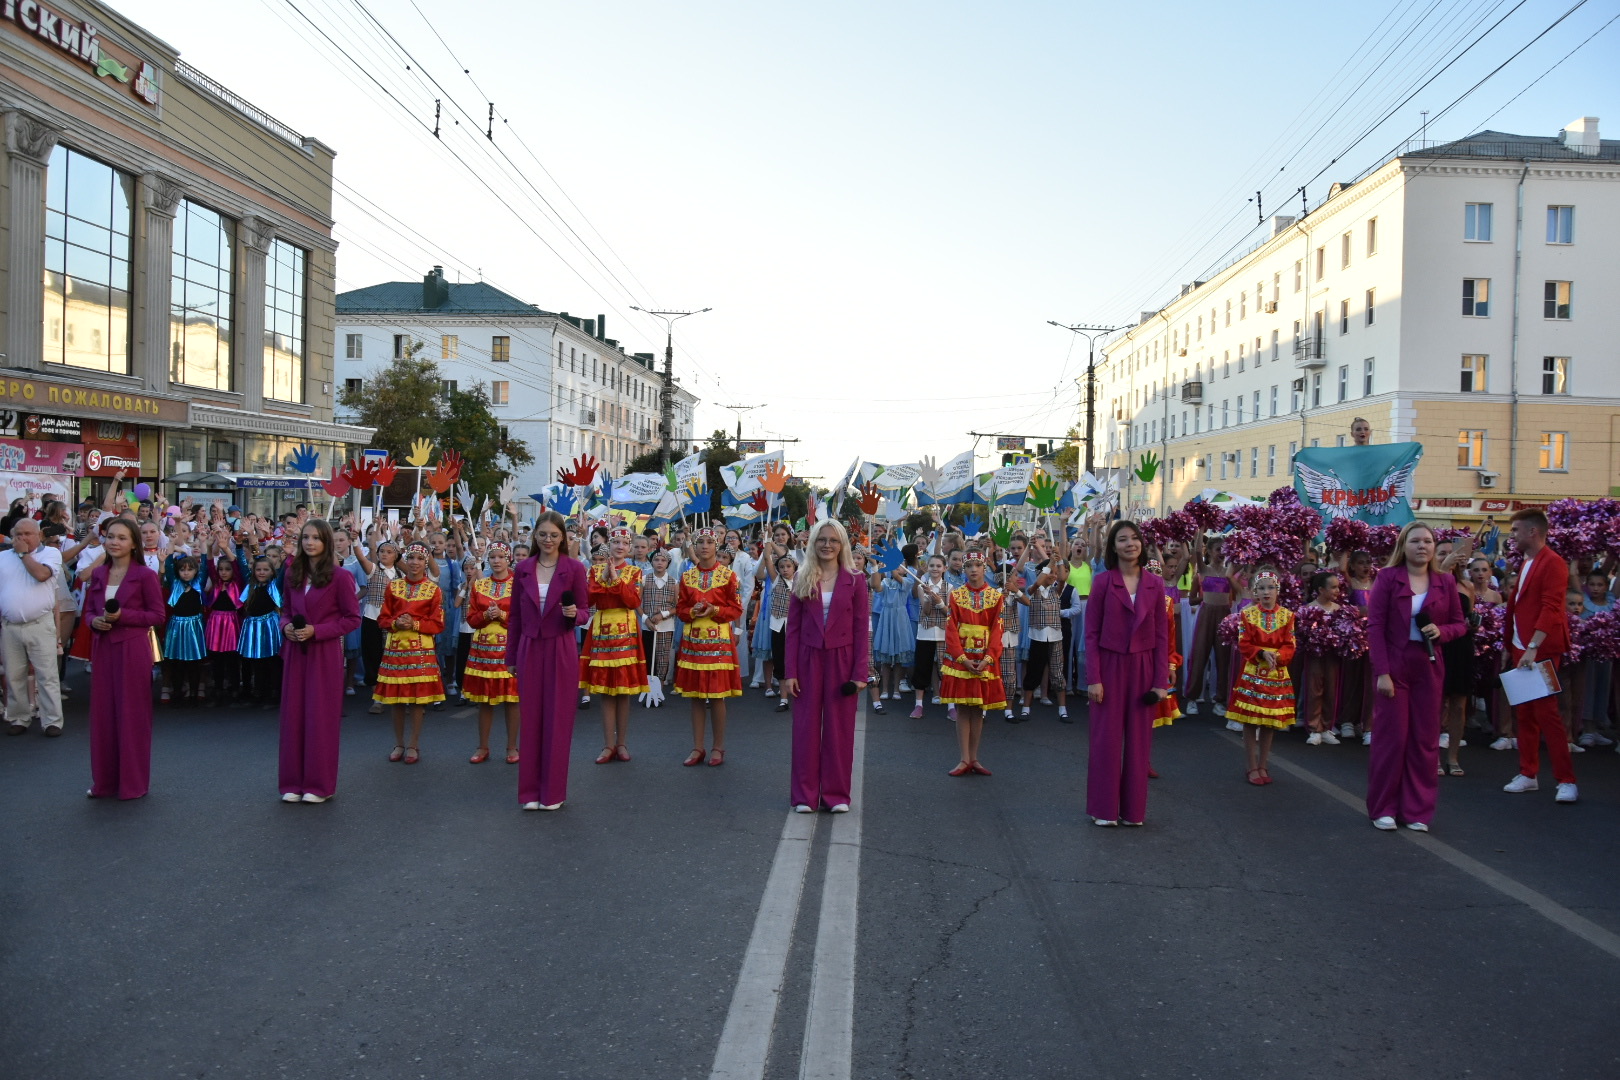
[[540, 620]]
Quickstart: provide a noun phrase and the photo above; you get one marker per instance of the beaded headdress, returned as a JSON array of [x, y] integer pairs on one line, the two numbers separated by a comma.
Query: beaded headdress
[[418, 549], [1266, 577]]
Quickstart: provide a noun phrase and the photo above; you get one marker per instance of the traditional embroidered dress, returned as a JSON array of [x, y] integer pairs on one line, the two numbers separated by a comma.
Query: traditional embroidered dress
[[973, 632], [409, 672], [260, 635], [611, 661], [486, 680], [1168, 710], [1261, 697], [707, 665], [183, 633]]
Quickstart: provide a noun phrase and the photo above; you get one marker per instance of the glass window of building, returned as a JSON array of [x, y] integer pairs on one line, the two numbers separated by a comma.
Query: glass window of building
[[284, 322], [87, 253], [200, 312]]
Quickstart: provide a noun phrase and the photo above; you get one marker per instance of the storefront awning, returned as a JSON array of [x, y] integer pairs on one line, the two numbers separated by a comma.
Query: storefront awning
[[263, 481], [201, 479]]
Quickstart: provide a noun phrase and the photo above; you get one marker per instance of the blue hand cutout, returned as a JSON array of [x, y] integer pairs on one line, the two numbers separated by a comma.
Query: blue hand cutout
[[607, 486], [563, 502], [891, 556], [972, 526], [305, 459]]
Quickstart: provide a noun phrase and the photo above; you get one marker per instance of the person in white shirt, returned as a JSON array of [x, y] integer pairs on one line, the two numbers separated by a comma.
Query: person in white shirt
[[28, 607]]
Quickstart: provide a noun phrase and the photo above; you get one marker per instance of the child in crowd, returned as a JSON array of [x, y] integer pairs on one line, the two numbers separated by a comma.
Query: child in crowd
[[185, 648], [259, 641], [1262, 693]]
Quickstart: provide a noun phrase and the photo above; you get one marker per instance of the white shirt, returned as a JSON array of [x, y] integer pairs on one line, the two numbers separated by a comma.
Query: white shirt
[[24, 598], [1413, 633], [1518, 591], [826, 602]]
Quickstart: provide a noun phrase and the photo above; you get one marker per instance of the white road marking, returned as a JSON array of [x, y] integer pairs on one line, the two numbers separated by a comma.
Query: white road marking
[[745, 1041], [829, 1029], [1543, 905]]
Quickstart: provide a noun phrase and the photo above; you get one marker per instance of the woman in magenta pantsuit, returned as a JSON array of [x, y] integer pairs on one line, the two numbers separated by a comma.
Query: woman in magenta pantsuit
[[1127, 662], [1409, 604], [548, 594], [825, 667], [320, 596], [121, 665]]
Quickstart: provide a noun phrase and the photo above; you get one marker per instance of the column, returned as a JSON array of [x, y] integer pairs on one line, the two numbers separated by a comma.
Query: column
[[160, 196], [29, 142], [254, 236]]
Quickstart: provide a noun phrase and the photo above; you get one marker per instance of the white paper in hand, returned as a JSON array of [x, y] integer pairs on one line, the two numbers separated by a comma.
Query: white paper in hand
[[1528, 684]]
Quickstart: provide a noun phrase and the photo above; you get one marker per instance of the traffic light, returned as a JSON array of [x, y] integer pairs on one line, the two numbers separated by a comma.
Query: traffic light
[[1008, 459]]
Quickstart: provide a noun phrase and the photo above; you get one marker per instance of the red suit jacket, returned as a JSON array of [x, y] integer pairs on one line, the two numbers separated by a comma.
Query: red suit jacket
[[1537, 603], [525, 620], [1116, 624]]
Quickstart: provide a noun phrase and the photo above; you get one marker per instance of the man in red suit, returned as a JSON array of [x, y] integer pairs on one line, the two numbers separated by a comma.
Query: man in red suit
[[1539, 630]]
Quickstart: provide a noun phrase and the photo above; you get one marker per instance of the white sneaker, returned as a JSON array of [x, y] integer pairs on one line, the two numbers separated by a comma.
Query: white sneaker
[[1588, 739], [771, 692], [1445, 739], [553, 806], [1366, 739], [1567, 793], [1576, 748], [1008, 715], [1043, 701], [1315, 739], [531, 806], [1522, 783], [1347, 731], [1417, 826], [348, 691], [883, 697], [1387, 824], [314, 798], [905, 686], [1599, 739], [754, 685], [1503, 743], [1233, 725], [1220, 710], [841, 808], [1024, 712], [936, 699], [1104, 822], [803, 808], [1330, 739], [291, 796], [1193, 708]]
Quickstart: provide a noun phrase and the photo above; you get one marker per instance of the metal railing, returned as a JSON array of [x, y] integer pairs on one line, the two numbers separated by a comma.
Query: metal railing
[[1309, 350], [236, 101], [1192, 393]]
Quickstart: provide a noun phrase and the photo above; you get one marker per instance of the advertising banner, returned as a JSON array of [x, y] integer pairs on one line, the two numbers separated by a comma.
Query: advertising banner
[[1367, 483]]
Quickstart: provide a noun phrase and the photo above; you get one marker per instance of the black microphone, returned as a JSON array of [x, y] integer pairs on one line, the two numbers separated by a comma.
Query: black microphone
[[1422, 619], [1151, 698], [299, 622], [568, 598], [112, 606]]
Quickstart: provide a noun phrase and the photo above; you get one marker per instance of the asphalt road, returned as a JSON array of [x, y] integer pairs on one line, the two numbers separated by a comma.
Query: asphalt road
[[419, 925]]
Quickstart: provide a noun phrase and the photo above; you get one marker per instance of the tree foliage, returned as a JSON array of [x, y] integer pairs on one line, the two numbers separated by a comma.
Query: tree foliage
[[1067, 460]]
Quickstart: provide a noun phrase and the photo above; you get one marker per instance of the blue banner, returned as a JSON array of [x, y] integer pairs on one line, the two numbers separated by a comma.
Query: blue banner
[[1367, 483]]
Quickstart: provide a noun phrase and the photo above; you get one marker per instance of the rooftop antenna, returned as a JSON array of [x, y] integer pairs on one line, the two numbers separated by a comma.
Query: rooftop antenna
[[1259, 208], [1423, 139], [489, 132], [438, 104]]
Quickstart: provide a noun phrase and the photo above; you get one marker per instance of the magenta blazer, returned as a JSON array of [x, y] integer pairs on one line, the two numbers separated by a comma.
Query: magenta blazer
[[140, 601], [1389, 614], [333, 610], [847, 624], [527, 620], [1115, 623]]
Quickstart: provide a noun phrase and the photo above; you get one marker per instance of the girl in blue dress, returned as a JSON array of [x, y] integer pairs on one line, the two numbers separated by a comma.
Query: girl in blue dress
[[894, 641], [184, 650], [259, 642]]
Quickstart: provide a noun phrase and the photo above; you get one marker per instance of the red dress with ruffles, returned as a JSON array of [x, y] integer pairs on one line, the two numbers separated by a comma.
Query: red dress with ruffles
[[611, 661], [972, 632], [486, 681], [409, 672], [1260, 696], [707, 664]]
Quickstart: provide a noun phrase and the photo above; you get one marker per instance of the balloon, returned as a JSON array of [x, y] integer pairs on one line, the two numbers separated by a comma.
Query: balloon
[[173, 511], [143, 491]]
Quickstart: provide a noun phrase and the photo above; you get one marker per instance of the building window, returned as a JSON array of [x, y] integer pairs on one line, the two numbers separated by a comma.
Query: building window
[[1228, 313], [1372, 305], [1226, 414], [1555, 374], [1257, 405], [402, 345], [1477, 297], [1299, 274], [284, 268], [1473, 373], [354, 346], [1254, 462], [1200, 328], [1271, 460], [87, 253], [1296, 390], [1316, 390], [559, 354], [1344, 382], [1344, 251], [1240, 409], [1470, 449], [1477, 222], [449, 347], [1367, 377], [1560, 224], [500, 392], [1242, 356], [1321, 262], [1372, 236], [1274, 399], [1555, 300], [447, 387], [201, 327], [1553, 444], [1276, 348], [500, 349], [1344, 316], [353, 386]]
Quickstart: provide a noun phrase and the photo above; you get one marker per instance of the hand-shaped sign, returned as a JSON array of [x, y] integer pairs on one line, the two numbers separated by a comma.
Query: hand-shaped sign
[[607, 487], [929, 472], [1149, 468], [563, 502], [774, 477], [1002, 531], [305, 459], [465, 496], [870, 499], [1042, 493], [507, 492], [890, 555], [760, 501], [582, 473], [421, 450], [972, 526], [385, 473], [338, 486], [446, 473]]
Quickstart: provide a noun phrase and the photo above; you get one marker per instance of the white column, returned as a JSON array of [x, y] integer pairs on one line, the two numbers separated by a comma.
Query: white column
[[254, 236], [160, 195], [29, 142]]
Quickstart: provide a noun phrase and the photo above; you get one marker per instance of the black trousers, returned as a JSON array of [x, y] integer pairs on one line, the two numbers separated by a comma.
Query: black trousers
[[371, 648], [227, 671], [922, 669]]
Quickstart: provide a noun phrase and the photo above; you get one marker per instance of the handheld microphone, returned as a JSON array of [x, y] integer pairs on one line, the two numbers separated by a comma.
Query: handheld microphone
[[1151, 698], [568, 598], [112, 606], [1422, 619], [299, 622]]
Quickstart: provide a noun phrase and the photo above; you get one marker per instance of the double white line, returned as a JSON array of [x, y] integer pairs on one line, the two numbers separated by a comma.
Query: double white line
[[829, 1030]]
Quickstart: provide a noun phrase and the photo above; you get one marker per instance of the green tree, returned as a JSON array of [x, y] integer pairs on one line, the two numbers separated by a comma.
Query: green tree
[[1067, 459], [469, 428], [717, 451], [403, 401], [651, 461]]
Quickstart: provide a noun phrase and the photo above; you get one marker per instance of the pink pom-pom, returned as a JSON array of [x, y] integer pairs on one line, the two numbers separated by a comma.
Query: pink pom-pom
[[1283, 496], [1227, 632], [1207, 516], [1347, 534]]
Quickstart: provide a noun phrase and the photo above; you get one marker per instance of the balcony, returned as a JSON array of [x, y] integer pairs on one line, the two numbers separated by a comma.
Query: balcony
[[1192, 393], [1309, 352], [587, 418]]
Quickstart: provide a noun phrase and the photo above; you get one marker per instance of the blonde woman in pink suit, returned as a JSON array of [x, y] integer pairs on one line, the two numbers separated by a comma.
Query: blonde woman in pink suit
[[1127, 663], [322, 607], [550, 594], [121, 665], [827, 632]]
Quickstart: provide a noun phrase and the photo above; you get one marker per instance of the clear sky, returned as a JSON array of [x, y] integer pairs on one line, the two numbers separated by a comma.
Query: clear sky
[[883, 202]]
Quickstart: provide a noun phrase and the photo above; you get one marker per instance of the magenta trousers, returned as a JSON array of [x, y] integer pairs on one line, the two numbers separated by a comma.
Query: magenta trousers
[[120, 717], [1402, 763], [548, 696], [823, 729], [311, 716], [1121, 732]]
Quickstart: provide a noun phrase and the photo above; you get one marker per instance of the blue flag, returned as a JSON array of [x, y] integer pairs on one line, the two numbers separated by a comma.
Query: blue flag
[[1367, 483]]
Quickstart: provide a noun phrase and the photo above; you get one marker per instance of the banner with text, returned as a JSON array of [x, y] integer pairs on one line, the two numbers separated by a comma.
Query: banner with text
[[1367, 483]]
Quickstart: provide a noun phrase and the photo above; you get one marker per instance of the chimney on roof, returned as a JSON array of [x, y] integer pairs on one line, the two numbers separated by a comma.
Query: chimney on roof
[[1280, 223], [435, 290], [601, 326], [590, 328], [1581, 135]]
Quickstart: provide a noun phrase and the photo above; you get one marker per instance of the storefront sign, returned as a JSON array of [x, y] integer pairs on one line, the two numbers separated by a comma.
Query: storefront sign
[[82, 41], [36, 485], [22, 456], [279, 483], [92, 403], [106, 459], [52, 428]]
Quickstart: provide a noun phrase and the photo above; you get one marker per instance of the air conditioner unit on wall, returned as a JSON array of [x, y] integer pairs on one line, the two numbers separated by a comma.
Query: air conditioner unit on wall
[[1271, 307], [1488, 479]]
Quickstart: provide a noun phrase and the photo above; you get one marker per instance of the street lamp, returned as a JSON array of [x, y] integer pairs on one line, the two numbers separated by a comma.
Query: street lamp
[[666, 403], [1091, 334]]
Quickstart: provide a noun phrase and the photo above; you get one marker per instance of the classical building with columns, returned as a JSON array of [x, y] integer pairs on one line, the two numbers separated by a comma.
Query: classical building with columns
[[166, 269]]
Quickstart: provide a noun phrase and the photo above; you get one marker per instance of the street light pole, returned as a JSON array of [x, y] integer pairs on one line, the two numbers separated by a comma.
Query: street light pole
[[666, 402], [1091, 334]]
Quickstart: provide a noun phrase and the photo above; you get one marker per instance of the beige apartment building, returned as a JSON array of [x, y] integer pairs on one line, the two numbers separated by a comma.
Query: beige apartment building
[[1454, 296], [166, 268]]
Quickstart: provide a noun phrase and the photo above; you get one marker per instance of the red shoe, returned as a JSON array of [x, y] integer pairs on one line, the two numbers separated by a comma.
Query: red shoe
[[962, 769], [718, 757], [1265, 777], [412, 755], [396, 753], [694, 758], [621, 752], [480, 756], [980, 769], [511, 757], [1152, 775], [1257, 778], [605, 756]]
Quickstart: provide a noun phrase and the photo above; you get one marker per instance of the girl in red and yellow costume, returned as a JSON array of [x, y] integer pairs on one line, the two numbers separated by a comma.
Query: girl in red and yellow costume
[[487, 682], [1167, 711], [970, 671], [408, 677], [706, 670], [611, 664], [1263, 693]]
